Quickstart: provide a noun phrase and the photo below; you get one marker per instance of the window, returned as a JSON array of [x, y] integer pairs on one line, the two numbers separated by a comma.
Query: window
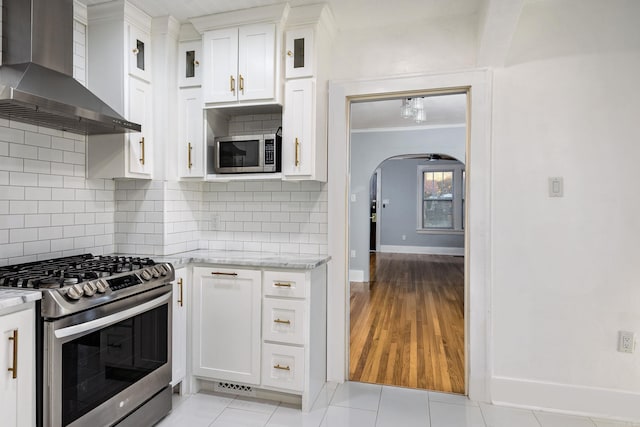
[[437, 200], [441, 202]]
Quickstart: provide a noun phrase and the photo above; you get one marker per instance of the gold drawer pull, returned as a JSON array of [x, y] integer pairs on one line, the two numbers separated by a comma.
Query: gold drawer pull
[[232, 85], [241, 84], [142, 151], [282, 285], [220, 273], [289, 53], [180, 301], [14, 369], [285, 322], [297, 152], [190, 148], [284, 368]]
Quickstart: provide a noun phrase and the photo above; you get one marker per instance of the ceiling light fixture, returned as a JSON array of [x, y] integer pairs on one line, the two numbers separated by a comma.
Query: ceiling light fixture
[[413, 108]]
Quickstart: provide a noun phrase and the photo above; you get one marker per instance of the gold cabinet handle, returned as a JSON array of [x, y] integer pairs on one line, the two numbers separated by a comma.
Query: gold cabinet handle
[[284, 322], [135, 51], [232, 84], [282, 285], [190, 148], [242, 84], [284, 368], [220, 273], [289, 53], [14, 369], [180, 300], [297, 152], [142, 150]]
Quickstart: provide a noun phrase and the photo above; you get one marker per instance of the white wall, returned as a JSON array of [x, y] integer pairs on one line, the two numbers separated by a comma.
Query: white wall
[[565, 278]]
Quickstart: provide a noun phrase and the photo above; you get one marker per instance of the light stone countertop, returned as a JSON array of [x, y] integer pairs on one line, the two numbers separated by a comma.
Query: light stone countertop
[[13, 297], [242, 258]]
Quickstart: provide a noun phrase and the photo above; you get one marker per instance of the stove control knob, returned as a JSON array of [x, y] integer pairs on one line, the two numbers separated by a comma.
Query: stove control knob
[[89, 289], [101, 286], [75, 292], [163, 270], [155, 272], [146, 275]]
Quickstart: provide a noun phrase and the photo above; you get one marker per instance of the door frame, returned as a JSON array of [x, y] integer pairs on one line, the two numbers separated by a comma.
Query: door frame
[[378, 173], [477, 83]]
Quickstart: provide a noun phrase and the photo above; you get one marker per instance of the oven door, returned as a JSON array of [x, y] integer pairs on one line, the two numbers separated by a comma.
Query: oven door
[[102, 364], [240, 155]]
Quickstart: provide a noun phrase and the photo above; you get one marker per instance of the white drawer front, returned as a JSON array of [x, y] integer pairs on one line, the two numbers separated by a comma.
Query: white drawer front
[[283, 366], [283, 320], [284, 284]]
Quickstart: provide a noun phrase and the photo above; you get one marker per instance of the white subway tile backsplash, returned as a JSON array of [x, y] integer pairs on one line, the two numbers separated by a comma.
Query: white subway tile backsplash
[[37, 247], [50, 206], [12, 193], [37, 166], [42, 220], [4, 148], [37, 139], [63, 144], [4, 178], [22, 151], [11, 164], [50, 181], [11, 135], [49, 233], [23, 207], [17, 235], [64, 169], [23, 179]]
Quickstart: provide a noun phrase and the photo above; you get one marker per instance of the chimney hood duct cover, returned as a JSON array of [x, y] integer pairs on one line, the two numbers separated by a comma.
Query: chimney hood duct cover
[[36, 83]]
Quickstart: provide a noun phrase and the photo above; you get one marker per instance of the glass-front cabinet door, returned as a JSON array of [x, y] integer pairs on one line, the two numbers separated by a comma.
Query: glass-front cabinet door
[[299, 48], [189, 63], [139, 54]]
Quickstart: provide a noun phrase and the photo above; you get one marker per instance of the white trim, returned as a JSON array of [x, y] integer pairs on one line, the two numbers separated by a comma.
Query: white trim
[[378, 210], [569, 399], [429, 250], [356, 276], [408, 128], [477, 239]]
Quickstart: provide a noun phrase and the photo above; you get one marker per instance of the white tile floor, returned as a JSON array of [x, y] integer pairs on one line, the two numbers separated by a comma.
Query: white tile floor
[[364, 405]]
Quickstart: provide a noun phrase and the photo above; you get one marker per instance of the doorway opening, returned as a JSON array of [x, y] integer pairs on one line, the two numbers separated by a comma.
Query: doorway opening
[[406, 266]]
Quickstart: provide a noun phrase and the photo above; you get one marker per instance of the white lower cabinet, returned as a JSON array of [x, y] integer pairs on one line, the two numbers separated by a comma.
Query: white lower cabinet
[[17, 373], [179, 328], [226, 324], [283, 367]]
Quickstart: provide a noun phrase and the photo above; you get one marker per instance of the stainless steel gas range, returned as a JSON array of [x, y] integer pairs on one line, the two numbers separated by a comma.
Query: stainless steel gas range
[[103, 338]]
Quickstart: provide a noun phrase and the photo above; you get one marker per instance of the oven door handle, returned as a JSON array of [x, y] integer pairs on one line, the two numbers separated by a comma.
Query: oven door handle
[[102, 322]]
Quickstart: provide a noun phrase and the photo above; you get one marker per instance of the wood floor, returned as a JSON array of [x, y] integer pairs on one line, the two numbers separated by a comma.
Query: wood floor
[[407, 324]]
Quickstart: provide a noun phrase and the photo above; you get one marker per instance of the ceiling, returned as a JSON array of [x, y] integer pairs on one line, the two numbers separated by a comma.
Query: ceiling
[[348, 13], [441, 110]]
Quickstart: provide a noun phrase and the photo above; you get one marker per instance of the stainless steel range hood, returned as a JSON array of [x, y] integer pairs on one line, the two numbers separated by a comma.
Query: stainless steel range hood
[[36, 83]]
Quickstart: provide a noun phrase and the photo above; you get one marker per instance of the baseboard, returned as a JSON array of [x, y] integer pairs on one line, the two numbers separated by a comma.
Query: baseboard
[[429, 250], [566, 398], [356, 276]]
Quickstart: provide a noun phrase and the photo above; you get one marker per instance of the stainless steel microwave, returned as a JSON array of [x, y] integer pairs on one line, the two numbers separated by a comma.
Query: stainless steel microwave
[[248, 154]]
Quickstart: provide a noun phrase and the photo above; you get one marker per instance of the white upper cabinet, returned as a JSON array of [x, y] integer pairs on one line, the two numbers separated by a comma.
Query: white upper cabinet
[[190, 63], [239, 64], [140, 112], [299, 50], [298, 124], [119, 72], [191, 136], [242, 56]]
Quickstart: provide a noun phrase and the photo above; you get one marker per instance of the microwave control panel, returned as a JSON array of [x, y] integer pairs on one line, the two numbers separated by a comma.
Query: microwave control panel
[[269, 152]]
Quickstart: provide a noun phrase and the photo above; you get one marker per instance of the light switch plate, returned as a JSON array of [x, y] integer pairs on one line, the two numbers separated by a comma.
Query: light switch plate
[[626, 341], [556, 186]]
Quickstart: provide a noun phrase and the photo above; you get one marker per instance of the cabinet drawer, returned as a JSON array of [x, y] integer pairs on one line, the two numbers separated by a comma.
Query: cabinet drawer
[[283, 320], [283, 366], [284, 284]]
